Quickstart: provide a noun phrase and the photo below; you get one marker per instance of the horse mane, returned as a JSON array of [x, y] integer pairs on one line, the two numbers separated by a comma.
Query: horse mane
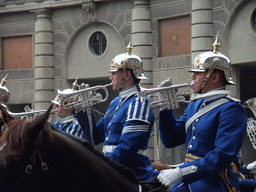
[[120, 168], [14, 133]]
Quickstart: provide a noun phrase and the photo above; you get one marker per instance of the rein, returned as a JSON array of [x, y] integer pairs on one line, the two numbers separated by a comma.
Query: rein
[[30, 165], [154, 181]]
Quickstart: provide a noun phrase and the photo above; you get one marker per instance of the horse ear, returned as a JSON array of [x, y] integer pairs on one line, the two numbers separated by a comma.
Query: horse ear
[[5, 115], [38, 124]]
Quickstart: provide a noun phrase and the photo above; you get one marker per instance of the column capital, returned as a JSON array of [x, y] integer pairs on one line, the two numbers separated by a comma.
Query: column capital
[[141, 2], [42, 13]]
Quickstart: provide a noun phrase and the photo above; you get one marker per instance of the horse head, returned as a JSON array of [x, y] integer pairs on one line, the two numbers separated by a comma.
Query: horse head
[[34, 156], [17, 139]]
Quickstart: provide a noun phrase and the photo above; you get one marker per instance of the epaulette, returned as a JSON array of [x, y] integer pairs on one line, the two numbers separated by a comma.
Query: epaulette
[[234, 99]]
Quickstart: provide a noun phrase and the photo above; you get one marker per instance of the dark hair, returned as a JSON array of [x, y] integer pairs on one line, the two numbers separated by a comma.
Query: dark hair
[[223, 80], [135, 79]]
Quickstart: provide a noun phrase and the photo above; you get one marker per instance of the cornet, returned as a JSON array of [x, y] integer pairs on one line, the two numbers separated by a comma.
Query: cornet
[[26, 114], [87, 97], [251, 123], [29, 113], [170, 97]]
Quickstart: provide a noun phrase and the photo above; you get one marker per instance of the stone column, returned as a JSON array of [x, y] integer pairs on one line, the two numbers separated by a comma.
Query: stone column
[[141, 36], [44, 67], [201, 27], [141, 40]]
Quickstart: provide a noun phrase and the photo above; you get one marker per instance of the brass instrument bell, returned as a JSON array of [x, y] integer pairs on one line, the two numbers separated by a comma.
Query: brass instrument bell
[[4, 92]]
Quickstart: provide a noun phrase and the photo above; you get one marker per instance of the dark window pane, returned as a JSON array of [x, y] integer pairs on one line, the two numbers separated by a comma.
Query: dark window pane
[[98, 43]]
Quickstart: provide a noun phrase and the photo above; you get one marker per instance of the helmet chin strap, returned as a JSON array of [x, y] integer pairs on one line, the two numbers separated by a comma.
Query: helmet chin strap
[[207, 77], [61, 112], [121, 86], [122, 79], [204, 83]]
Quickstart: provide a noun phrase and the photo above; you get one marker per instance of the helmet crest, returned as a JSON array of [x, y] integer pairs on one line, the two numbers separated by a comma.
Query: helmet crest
[[213, 60], [128, 61]]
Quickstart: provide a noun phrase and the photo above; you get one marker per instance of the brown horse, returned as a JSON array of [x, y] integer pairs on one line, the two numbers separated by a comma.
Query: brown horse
[[36, 157]]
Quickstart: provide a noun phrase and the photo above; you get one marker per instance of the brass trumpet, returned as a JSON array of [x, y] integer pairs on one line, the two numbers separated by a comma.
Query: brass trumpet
[[26, 114], [84, 97], [170, 97], [251, 104], [29, 113], [251, 123]]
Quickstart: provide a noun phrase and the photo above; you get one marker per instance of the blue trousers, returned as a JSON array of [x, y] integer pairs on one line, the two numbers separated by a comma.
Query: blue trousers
[[247, 185]]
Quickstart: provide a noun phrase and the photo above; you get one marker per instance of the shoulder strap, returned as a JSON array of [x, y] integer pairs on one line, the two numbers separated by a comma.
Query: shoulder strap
[[205, 110]]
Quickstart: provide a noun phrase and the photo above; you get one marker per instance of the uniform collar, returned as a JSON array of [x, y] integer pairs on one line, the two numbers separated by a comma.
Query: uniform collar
[[67, 118], [211, 95], [129, 91]]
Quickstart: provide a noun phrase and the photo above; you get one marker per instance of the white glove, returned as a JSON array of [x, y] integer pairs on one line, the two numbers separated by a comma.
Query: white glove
[[170, 96], [169, 177], [251, 166], [87, 96], [163, 95]]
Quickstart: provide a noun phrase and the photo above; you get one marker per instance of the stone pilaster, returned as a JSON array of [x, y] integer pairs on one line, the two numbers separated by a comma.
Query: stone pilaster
[[44, 67], [141, 36], [201, 28], [142, 46]]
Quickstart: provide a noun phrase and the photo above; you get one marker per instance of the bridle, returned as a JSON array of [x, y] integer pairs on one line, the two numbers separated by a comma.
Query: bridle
[[36, 154], [154, 181], [29, 168]]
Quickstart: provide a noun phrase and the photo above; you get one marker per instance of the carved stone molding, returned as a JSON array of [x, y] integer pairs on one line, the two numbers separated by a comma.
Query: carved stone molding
[[89, 6]]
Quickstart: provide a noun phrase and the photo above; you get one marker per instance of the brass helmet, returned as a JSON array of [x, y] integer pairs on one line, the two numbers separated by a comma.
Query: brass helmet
[[213, 60], [128, 61], [59, 100], [4, 92]]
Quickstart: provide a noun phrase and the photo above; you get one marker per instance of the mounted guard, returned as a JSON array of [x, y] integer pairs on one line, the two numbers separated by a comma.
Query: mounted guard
[[212, 129], [67, 122], [125, 129]]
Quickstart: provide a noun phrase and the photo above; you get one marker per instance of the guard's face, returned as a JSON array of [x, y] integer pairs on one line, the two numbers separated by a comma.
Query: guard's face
[[198, 79], [116, 77], [59, 109]]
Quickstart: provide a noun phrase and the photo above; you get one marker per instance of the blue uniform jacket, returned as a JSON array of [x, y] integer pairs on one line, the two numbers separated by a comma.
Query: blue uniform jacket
[[213, 141], [127, 125], [69, 124]]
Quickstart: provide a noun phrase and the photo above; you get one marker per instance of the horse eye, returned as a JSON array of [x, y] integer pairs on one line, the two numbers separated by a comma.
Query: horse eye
[[2, 163], [12, 161]]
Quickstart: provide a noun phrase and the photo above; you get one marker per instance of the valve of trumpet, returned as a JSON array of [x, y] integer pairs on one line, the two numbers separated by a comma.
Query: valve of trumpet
[[83, 86], [166, 83]]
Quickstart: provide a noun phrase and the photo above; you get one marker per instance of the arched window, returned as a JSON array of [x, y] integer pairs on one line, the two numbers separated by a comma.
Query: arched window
[[254, 20], [98, 43]]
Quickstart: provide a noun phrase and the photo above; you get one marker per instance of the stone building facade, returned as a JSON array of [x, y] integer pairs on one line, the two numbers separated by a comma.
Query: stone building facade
[[46, 44]]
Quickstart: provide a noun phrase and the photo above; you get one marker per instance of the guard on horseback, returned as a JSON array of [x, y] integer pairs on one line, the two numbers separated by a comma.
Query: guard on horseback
[[125, 129], [67, 122], [212, 128], [4, 98]]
